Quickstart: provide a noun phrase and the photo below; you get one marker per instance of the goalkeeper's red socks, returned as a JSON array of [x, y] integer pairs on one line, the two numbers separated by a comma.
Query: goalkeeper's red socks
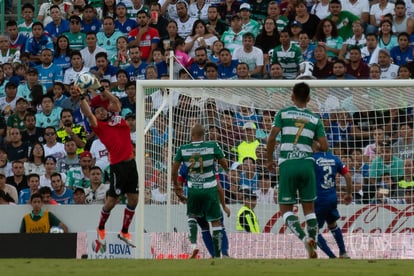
[[104, 217], [129, 213]]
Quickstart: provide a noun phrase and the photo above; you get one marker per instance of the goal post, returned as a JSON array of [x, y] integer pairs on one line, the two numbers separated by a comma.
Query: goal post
[[339, 102]]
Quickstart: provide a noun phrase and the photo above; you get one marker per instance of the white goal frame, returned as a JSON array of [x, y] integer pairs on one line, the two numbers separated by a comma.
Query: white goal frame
[[141, 85]]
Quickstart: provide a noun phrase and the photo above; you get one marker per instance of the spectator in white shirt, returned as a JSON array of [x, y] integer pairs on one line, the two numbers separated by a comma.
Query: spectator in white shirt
[[89, 52], [251, 55], [266, 194]]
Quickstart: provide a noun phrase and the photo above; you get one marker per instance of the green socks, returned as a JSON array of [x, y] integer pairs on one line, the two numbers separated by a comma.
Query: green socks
[[293, 224], [217, 239], [193, 229], [312, 226]]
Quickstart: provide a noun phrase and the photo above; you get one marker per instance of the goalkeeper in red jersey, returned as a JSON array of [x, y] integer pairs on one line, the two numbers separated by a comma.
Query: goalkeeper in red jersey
[[114, 133]]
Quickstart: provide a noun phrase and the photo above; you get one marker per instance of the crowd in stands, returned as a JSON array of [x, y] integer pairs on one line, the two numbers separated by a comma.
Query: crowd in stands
[[47, 144]]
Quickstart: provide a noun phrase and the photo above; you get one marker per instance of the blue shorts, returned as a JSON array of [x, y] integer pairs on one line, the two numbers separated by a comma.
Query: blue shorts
[[326, 212]]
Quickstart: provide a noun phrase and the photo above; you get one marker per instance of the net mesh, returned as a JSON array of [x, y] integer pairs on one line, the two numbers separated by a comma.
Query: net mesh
[[358, 117]]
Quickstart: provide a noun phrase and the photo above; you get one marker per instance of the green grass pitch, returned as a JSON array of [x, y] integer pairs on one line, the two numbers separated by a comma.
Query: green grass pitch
[[228, 267]]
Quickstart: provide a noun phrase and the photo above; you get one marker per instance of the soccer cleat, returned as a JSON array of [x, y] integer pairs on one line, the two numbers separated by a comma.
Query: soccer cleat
[[126, 238], [101, 233], [344, 256], [310, 246]]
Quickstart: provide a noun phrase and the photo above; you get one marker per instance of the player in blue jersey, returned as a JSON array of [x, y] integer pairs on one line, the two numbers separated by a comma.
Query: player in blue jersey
[[327, 166]]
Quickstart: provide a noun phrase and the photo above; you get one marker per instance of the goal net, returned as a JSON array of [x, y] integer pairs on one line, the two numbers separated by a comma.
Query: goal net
[[369, 125]]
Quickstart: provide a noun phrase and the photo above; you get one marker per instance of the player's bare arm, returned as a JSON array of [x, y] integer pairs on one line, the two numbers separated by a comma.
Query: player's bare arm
[[224, 164], [178, 187], [323, 143], [222, 199], [114, 103], [348, 195], [271, 143], [64, 227]]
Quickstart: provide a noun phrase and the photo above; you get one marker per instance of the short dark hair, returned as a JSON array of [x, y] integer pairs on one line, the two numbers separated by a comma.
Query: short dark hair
[[154, 3], [355, 48], [67, 110], [45, 190], [335, 2], [373, 35], [158, 49], [38, 24], [56, 174], [201, 48], [49, 96], [91, 33], [121, 71], [105, 81], [33, 175], [285, 30], [35, 195], [224, 50], [130, 83], [340, 61], [399, 2], [28, 6], [211, 65], [75, 53], [249, 158], [93, 168], [101, 54], [242, 64], [142, 11], [404, 34], [301, 91], [29, 114], [108, 17], [54, 7], [88, 6], [58, 83], [11, 23], [228, 112], [248, 34]]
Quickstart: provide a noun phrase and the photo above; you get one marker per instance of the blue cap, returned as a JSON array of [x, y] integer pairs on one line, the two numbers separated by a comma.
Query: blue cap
[[296, 23], [121, 4]]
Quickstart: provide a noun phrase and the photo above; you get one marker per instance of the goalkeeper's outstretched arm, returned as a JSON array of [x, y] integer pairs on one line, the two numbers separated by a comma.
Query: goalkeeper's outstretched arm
[[86, 110], [114, 103]]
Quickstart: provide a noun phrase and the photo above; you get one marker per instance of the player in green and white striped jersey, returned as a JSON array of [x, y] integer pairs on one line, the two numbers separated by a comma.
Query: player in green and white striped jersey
[[299, 127], [202, 200], [288, 54]]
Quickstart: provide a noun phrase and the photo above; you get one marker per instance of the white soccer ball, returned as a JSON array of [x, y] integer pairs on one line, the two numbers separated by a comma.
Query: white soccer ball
[[56, 230], [305, 70], [85, 80]]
